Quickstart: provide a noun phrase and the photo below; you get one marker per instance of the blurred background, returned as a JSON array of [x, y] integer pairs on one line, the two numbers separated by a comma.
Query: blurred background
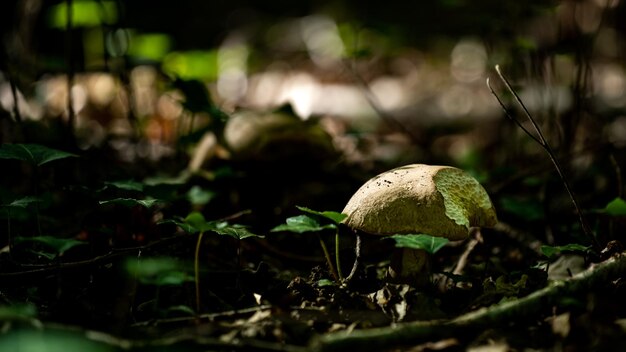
[[330, 88]]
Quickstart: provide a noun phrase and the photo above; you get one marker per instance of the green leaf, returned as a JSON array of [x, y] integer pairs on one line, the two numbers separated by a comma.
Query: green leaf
[[197, 221], [616, 207], [235, 230], [33, 153], [325, 283], [301, 224], [84, 14], [331, 215], [158, 271], [166, 180], [128, 185], [18, 312], [131, 202], [58, 245], [23, 202], [50, 340], [184, 226], [186, 310], [198, 196], [430, 244], [550, 251]]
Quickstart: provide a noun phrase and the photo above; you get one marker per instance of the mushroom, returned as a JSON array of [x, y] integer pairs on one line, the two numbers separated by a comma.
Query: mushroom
[[277, 135], [440, 201]]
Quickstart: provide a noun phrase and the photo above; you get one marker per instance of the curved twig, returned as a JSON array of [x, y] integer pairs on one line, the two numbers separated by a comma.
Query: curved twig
[[539, 138]]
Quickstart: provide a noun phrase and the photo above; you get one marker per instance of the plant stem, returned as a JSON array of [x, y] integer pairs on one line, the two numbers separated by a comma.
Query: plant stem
[[337, 259], [357, 257], [546, 146], [328, 260], [196, 268]]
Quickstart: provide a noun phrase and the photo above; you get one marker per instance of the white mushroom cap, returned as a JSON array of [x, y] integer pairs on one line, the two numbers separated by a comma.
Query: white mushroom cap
[[439, 201]]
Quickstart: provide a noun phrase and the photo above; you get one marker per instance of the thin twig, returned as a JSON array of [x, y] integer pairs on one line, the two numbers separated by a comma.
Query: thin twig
[[35, 272], [16, 103], [179, 342], [69, 32], [329, 261], [196, 268], [374, 103], [546, 146]]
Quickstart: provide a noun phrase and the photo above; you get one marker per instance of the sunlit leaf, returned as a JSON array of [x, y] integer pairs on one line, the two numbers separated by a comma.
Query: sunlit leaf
[[331, 215], [191, 64], [616, 207], [550, 251], [301, 224], [430, 244], [33, 153], [131, 202], [84, 13], [151, 46]]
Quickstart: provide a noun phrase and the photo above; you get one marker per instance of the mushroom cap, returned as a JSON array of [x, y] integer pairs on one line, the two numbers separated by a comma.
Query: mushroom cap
[[270, 135], [439, 201]]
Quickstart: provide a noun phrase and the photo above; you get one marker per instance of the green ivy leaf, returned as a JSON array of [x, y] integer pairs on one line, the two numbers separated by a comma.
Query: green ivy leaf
[[131, 202], [430, 244], [301, 224], [331, 215], [197, 221], [616, 207], [33, 153], [550, 251], [235, 230]]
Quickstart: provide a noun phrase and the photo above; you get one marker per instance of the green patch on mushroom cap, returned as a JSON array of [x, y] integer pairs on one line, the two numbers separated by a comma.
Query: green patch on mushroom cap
[[435, 200], [466, 201]]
